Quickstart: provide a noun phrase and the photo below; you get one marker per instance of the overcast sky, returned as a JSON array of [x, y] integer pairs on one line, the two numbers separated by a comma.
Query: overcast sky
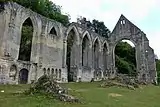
[[143, 13]]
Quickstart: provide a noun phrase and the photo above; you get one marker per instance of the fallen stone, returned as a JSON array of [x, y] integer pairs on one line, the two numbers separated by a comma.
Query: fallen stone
[[67, 98], [114, 95], [113, 83]]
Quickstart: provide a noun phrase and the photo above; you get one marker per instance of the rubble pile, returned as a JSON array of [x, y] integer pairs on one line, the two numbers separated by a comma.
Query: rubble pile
[[48, 85]]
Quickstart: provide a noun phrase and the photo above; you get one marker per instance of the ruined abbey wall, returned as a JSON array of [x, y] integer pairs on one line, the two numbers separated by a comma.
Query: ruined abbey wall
[[91, 55]]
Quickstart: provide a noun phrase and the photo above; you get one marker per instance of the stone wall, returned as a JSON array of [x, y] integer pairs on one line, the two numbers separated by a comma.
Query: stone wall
[[49, 48]]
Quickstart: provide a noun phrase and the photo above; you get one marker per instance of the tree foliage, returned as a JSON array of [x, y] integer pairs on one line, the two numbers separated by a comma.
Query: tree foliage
[[26, 41], [158, 69], [125, 58], [44, 7], [96, 26]]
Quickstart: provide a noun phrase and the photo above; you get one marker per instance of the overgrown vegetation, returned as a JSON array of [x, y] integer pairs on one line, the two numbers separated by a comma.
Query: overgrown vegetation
[[96, 26], [125, 59], [158, 69], [26, 41]]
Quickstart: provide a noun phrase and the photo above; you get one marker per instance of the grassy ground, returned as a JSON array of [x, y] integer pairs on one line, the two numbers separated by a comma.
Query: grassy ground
[[90, 93]]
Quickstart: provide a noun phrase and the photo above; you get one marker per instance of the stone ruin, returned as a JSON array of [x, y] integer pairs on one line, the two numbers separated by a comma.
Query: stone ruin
[[50, 43]]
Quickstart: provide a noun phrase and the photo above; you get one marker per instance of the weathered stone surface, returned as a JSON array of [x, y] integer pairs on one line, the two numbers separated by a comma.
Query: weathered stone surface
[[49, 51]]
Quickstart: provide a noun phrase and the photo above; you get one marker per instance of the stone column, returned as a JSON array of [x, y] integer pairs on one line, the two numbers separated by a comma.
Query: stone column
[[64, 53], [79, 50], [101, 62], [111, 62], [64, 65]]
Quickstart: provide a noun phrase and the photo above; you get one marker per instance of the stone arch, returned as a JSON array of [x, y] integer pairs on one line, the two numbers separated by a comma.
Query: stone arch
[[48, 71], [13, 72], [96, 57], [72, 53], [86, 43], [74, 28], [52, 71], [99, 42], [33, 19], [125, 38], [53, 31], [23, 76], [105, 42], [136, 52], [86, 33], [22, 15], [25, 53]]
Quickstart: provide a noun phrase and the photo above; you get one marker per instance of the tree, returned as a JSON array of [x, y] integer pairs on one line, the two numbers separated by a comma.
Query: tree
[[158, 69], [125, 58], [44, 7], [26, 41], [96, 26]]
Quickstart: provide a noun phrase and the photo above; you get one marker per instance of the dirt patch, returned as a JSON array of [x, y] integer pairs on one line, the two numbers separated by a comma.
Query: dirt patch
[[114, 95], [81, 90]]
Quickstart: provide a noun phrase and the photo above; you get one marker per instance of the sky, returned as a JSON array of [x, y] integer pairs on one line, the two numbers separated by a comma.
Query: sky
[[145, 14]]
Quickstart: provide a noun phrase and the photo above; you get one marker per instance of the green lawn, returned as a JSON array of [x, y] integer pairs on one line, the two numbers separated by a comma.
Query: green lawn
[[90, 94]]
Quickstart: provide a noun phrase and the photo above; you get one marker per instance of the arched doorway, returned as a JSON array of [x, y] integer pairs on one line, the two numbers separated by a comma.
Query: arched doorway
[[23, 76], [26, 40], [125, 58], [71, 56]]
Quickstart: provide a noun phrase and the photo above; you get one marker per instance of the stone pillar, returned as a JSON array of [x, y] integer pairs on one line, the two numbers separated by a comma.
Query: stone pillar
[[64, 53], [64, 65], [101, 62], [79, 72]]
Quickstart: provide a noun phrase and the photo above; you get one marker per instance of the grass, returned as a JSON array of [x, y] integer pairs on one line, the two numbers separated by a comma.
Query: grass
[[90, 94]]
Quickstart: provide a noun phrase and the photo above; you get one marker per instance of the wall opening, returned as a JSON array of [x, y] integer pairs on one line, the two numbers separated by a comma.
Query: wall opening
[[53, 31], [23, 76], [85, 51], [56, 73], [96, 58], [70, 58], [48, 71], [52, 71], [13, 72], [60, 74], [44, 71], [125, 58], [26, 40]]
